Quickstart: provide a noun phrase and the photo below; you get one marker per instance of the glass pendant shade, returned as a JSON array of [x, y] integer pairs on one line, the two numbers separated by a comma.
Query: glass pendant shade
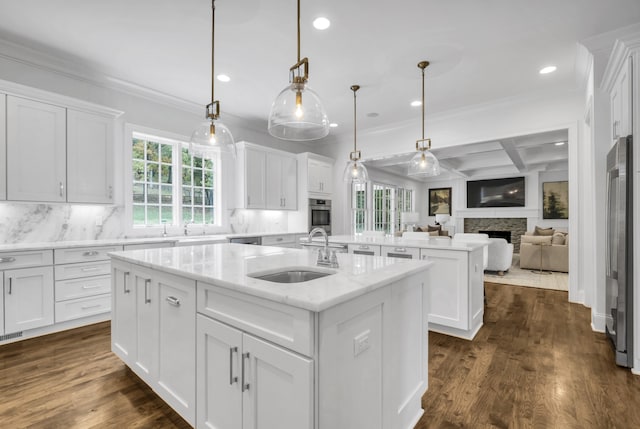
[[207, 145], [298, 114], [355, 172], [424, 164]]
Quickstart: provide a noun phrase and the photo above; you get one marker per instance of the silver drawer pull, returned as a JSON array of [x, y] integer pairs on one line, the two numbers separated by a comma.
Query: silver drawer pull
[[10, 284], [363, 247], [91, 253], [8, 259], [126, 276], [91, 287], [87, 307], [232, 378], [88, 269], [173, 301], [244, 386], [279, 239], [399, 249], [147, 282]]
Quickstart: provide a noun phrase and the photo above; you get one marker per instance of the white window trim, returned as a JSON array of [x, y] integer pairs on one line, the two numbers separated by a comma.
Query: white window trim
[[221, 211]]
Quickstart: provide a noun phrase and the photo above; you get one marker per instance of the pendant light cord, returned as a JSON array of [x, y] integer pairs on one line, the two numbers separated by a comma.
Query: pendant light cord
[[355, 127], [213, 20], [298, 31], [422, 103]]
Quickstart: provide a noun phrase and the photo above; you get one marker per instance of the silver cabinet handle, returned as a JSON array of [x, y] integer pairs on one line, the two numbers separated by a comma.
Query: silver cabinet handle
[[8, 259], [363, 247], [232, 379], [279, 239], [89, 269], [10, 284], [248, 200], [61, 189], [91, 253], [147, 282], [245, 386], [91, 287], [399, 249], [284, 202], [110, 191], [173, 301], [90, 306], [126, 276]]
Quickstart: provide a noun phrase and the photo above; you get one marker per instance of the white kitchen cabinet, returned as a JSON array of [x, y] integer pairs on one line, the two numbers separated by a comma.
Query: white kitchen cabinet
[[89, 157], [621, 122], [400, 252], [249, 383], [123, 313], [2, 305], [255, 186], [36, 154], [320, 178], [281, 179], [364, 249], [28, 298], [3, 147]]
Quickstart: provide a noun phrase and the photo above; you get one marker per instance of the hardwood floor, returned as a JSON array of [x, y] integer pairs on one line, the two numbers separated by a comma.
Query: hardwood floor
[[535, 364]]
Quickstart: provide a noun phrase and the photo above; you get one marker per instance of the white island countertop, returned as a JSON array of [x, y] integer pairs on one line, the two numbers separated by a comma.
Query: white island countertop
[[443, 243], [230, 266]]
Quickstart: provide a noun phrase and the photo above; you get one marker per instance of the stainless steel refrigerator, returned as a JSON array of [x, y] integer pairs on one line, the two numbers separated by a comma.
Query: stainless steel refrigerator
[[619, 264]]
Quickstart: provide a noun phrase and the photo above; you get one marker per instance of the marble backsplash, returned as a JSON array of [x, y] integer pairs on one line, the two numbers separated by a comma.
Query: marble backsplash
[[243, 221]]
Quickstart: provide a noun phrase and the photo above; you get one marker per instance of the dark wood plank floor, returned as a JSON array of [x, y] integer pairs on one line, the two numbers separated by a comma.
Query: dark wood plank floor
[[535, 364]]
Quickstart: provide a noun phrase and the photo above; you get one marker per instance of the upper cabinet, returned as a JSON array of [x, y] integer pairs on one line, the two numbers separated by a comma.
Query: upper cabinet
[[267, 178], [3, 148], [89, 158], [621, 102], [36, 161], [319, 176], [56, 149]]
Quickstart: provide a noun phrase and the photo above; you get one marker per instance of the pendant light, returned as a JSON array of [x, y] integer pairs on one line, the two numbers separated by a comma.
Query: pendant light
[[297, 113], [355, 171], [424, 163], [212, 136]]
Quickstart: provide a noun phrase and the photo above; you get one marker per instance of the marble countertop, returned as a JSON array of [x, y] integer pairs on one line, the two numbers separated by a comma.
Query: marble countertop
[[222, 238], [431, 243], [229, 266]]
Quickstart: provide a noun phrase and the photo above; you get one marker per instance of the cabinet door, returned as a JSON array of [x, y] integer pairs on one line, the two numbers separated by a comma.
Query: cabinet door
[[28, 298], [2, 305], [36, 154], [89, 158], [319, 176], [255, 164], [278, 390], [289, 183], [218, 375], [273, 181], [123, 314], [146, 307], [3, 147], [176, 349]]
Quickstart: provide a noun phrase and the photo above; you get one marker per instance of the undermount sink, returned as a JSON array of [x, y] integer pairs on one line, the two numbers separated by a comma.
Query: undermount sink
[[291, 275]]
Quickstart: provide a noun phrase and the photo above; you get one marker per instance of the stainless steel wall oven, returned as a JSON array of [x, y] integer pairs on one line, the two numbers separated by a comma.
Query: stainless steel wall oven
[[320, 214]]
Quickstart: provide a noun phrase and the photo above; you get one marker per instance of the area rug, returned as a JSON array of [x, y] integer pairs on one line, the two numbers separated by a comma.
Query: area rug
[[524, 277]]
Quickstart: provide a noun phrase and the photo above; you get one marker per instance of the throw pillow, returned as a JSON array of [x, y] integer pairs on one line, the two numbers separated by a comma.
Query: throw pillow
[[566, 239], [543, 231], [557, 238], [434, 233], [434, 228], [536, 239]]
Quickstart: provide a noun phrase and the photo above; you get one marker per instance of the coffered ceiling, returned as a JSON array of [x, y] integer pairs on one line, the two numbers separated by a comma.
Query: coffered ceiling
[[479, 50]]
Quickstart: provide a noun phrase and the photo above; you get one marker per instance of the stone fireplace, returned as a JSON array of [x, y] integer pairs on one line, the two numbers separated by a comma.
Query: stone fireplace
[[517, 226]]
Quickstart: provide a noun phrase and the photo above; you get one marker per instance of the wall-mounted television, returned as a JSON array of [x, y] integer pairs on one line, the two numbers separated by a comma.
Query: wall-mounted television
[[507, 192]]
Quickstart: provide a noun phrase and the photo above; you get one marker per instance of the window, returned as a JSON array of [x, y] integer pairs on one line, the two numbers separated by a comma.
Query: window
[[359, 205], [383, 207], [169, 185], [404, 203]]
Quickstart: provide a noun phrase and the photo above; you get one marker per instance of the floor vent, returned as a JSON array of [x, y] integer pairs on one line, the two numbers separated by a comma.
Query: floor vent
[[10, 336]]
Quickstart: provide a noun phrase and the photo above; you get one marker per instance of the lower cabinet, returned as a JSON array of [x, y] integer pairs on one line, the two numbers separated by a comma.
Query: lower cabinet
[[364, 249], [153, 332], [245, 382], [28, 298]]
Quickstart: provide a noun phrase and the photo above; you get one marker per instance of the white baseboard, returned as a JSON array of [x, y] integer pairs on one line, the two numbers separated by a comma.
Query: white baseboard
[[598, 322]]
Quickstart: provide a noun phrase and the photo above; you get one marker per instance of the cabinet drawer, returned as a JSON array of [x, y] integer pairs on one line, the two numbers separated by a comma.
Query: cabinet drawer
[[74, 271], [84, 287], [82, 307], [364, 249], [84, 254], [401, 252], [278, 240], [281, 324], [35, 258], [148, 246]]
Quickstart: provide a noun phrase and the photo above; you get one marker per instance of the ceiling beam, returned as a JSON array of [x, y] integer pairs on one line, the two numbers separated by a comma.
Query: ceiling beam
[[444, 165], [510, 148]]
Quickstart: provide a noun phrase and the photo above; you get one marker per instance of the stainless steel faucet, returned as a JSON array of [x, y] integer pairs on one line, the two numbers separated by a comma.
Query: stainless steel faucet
[[186, 226], [323, 254]]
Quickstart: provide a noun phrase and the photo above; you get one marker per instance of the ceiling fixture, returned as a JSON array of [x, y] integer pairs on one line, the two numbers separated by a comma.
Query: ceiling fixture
[[223, 78], [424, 163], [333, 125], [321, 23], [212, 136], [559, 144], [416, 103], [297, 113], [355, 171], [548, 69]]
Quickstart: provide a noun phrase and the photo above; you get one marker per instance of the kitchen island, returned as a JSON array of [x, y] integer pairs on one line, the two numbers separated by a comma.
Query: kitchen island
[[456, 294], [225, 347]]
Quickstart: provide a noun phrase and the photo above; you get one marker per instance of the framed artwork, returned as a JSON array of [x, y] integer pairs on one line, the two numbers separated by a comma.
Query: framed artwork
[[439, 201], [555, 200]]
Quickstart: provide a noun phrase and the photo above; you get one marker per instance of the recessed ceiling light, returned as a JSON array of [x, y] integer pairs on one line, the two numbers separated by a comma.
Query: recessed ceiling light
[[333, 125], [321, 23], [373, 114], [548, 69], [416, 103], [223, 78], [560, 143]]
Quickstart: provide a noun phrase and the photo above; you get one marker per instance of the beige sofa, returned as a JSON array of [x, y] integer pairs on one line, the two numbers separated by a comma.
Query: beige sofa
[[554, 248]]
